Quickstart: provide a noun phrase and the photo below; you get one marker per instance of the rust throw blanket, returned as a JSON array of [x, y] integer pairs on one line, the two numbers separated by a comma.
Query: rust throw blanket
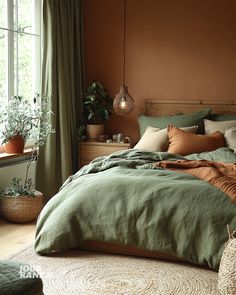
[[221, 175]]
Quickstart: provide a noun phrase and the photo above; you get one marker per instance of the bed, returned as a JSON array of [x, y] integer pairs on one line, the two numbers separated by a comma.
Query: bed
[[124, 203]]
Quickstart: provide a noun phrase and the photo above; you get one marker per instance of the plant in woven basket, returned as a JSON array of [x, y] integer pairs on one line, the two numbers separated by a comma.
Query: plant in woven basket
[[20, 202], [22, 187], [227, 270]]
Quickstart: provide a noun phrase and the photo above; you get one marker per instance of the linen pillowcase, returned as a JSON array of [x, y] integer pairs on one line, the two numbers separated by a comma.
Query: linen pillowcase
[[177, 120], [221, 126], [150, 139], [230, 138], [156, 139], [184, 143]]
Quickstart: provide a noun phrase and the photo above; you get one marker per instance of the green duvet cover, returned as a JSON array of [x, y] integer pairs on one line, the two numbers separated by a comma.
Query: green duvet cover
[[122, 199]]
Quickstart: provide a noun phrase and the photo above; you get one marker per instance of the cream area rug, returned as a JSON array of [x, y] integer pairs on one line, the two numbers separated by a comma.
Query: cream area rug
[[92, 273]]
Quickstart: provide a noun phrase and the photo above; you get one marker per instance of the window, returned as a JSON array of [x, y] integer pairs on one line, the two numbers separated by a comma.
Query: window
[[20, 26]]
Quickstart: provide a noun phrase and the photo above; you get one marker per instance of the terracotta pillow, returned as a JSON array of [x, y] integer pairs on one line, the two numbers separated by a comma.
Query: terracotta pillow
[[156, 139], [184, 143]]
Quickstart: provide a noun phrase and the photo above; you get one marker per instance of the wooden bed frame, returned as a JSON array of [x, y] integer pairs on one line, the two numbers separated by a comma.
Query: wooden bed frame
[[173, 107], [107, 247], [162, 108]]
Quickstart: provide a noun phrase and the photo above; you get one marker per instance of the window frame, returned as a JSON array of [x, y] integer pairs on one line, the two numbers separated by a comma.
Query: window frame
[[10, 69], [37, 16]]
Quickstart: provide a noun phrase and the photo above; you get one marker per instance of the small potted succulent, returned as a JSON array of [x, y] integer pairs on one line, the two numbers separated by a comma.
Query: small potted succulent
[[97, 108], [20, 202]]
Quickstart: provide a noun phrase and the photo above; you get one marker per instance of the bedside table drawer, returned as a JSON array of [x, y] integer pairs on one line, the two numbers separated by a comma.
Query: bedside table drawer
[[89, 150]]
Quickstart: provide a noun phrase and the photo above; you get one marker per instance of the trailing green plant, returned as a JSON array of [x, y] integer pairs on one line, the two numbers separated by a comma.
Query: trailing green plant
[[81, 133], [31, 121], [98, 106], [18, 188]]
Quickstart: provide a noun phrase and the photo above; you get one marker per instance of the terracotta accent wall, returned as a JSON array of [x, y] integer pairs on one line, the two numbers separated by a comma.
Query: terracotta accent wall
[[182, 49]]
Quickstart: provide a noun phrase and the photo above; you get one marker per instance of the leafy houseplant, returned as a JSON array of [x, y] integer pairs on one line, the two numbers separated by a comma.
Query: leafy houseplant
[[21, 119], [97, 108], [20, 202]]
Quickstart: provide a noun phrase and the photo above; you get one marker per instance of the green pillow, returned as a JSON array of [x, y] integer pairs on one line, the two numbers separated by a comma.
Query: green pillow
[[177, 120], [221, 117]]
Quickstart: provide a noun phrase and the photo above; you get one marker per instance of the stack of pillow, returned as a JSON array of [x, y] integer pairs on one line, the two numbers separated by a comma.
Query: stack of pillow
[[177, 134]]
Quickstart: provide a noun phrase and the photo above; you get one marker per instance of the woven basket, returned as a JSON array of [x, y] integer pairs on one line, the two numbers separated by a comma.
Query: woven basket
[[23, 208], [227, 270]]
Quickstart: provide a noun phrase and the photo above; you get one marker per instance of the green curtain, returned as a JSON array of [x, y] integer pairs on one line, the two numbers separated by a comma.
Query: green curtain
[[62, 78]]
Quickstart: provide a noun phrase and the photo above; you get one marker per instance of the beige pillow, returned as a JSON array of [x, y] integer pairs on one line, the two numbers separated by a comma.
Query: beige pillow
[[221, 126], [149, 140], [156, 139], [230, 138], [184, 143]]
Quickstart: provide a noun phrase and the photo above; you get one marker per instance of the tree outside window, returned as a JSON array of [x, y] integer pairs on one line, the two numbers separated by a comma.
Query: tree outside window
[[20, 22]]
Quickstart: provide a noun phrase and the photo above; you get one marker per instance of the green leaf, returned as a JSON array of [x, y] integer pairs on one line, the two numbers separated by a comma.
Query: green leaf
[[91, 115], [98, 105]]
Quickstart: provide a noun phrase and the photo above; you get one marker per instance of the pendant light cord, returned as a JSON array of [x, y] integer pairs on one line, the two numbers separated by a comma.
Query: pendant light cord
[[124, 43]]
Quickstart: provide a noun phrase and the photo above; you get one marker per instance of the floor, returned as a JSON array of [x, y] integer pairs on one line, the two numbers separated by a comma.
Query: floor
[[76, 272], [15, 237]]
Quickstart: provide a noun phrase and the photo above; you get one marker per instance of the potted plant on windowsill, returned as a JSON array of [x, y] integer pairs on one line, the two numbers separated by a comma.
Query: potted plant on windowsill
[[97, 108], [19, 121], [20, 202]]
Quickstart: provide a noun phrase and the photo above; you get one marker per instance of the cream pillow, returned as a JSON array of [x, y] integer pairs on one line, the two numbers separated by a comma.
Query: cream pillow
[[230, 138], [221, 126], [149, 140], [156, 139], [184, 143]]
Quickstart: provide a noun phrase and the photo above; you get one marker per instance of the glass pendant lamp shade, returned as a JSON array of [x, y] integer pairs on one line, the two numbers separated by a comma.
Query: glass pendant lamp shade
[[123, 103]]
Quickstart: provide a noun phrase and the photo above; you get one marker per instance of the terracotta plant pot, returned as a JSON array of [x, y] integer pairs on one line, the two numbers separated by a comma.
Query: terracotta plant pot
[[22, 209], [15, 145], [93, 131]]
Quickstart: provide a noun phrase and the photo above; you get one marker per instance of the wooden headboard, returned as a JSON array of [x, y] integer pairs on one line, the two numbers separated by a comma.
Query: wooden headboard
[[173, 107]]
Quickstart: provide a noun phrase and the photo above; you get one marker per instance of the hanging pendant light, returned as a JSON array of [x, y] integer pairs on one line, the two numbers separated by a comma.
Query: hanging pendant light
[[123, 103]]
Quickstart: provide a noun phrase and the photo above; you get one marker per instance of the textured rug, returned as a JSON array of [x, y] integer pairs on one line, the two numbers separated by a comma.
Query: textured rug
[[91, 273]]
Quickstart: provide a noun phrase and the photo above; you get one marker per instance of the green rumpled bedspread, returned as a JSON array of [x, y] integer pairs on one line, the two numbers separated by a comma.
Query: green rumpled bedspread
[[122, 199]]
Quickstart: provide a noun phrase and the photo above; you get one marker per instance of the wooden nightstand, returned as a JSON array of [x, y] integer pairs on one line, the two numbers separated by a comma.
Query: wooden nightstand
[[89, 150]]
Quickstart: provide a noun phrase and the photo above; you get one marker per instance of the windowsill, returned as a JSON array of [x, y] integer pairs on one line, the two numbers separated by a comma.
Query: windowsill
[[6, 158], [3, 155]]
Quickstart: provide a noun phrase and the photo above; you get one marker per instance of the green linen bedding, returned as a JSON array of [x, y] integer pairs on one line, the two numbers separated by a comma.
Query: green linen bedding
[[123, 199]]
